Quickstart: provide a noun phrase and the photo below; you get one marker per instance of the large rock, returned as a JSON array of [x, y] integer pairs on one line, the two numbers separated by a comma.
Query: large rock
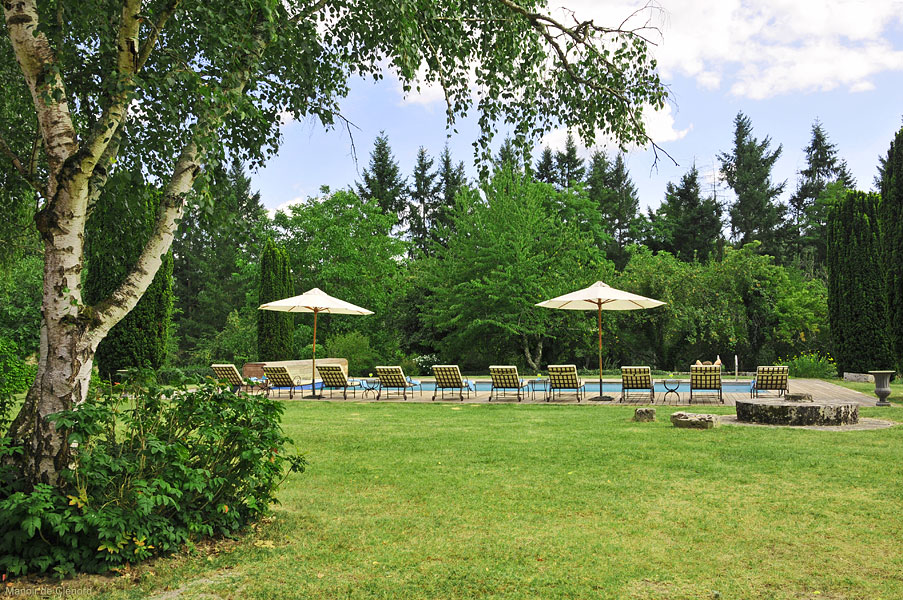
[[781, 412], [644, 415], [798, 397], [860, 377], [687, 420]]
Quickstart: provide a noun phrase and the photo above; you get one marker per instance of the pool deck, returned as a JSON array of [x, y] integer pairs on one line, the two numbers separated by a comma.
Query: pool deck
[[820, 390]]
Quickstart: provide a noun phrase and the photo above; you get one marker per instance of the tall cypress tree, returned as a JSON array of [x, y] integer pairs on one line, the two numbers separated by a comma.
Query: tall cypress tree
[[423, 202], [383, 182], [274, 329], [140, 338], [568, 166], [857, 306], [756, 214], [891, 173]]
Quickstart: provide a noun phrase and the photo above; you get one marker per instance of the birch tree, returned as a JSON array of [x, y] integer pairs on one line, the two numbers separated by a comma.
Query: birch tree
[[169, 86]]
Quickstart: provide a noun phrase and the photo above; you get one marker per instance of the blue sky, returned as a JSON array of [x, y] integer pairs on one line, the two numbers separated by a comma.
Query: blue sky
[[782, 62]]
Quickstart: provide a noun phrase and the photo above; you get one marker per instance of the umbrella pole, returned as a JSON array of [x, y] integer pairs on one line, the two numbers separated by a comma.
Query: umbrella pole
[[600, 350], [313, 366]]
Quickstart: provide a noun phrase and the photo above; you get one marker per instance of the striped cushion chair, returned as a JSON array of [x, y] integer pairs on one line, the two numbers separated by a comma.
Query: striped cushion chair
[[335, 378], [506, 378], [278, 378], [229, 373], [706, 378], [636, 378], [564, 378], [448, 377], [393, 378], [770, 378]]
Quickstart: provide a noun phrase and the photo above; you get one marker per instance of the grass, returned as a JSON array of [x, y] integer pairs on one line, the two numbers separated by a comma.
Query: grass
[[896, 388], [538, 501]]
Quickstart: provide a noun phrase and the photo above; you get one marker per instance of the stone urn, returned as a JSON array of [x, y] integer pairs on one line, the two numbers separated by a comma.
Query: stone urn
[[882, 386]]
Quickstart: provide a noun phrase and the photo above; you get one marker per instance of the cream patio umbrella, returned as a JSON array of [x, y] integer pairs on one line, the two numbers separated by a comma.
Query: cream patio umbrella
[[315, 301], [600, 296]]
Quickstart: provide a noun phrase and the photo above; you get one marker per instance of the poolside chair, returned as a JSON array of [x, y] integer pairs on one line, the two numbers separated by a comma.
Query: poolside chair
[[506, 378], [393, 378], [229, 373], [564, 378], [278, 378], [636, 378], [448, 377], [334, 378], [706, 378], [770, 378]]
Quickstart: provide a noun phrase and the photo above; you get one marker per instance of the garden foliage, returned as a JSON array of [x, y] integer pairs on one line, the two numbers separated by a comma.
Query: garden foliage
[[153, 470], [275, 329], [891, 215]]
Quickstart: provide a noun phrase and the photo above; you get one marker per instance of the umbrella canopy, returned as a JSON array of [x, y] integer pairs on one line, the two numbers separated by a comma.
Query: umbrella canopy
[[315, 301], [600, 296]]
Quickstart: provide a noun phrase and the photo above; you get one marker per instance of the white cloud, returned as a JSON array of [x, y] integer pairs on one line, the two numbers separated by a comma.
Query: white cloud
[[287, 204]]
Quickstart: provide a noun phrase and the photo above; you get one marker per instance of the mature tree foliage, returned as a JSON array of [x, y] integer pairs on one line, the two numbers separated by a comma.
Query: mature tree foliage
[[216, 259], [823, 167], [857, 304], [568, 166], [451, 181], [685, 224], [275, 329], [382, 180], [610, 188], [485, 284], [891, 215], [423, 203], [339, 244], [167, 86], [117, 231], [544, 171], [756, 213]]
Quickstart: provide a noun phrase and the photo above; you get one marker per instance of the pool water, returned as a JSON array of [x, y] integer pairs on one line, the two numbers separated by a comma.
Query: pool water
[[612, 388]]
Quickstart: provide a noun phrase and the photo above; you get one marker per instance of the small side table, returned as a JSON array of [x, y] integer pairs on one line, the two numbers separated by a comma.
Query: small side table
[[541, 384], [369, 385], [671, 386]]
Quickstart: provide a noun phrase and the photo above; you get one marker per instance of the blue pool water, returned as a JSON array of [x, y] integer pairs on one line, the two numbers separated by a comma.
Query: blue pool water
[[611, 388]]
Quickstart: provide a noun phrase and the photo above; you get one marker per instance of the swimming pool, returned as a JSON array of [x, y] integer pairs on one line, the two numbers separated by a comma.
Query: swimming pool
[[611, 388]]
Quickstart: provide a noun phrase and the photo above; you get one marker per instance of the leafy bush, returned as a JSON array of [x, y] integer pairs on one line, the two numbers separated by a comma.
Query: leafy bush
[[425, 363], [354, 346], [152, 470], [811, 364], [15, 376]]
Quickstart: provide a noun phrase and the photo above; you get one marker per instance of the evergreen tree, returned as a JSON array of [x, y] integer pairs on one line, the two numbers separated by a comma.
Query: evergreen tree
[[892, 240], [857, 306], [451, 181], [568, 166], [423, 203], [686, 225], [120, 225], [509, 156], [383, 182], [756, 214], [274, 329], [823, 167], [544, 172], [611, 190]]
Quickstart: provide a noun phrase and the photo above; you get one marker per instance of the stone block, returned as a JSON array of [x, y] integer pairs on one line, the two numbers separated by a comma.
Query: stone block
[[860, 377], [644, 415], [798, 397], [687, 420]]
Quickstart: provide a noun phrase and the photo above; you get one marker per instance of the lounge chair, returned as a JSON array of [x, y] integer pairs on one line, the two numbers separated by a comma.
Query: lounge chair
[[393, 378], [335, 378], [278, 378], [564, 378], [506, 378], [706, 378], [636, 378], [448, 377], [229, 373], [770, 378]]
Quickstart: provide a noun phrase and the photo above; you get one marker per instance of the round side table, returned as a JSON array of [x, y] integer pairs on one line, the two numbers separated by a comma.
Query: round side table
[[671, 386]]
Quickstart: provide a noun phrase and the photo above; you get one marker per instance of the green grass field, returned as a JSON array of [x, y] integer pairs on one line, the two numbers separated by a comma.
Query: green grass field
[[538, 501]]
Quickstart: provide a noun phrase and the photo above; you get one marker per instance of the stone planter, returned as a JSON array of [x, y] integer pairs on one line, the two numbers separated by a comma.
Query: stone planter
[[882, 386]]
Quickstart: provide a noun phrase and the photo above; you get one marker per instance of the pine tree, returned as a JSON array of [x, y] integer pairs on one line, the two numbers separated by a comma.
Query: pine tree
[[892, 241], [274, 329], [687, 225], [756, 214], [823, 167], [544, 172], [857, 305], [509, 156], [423, 202], [451, 181], [383, 182], [139, 339], [568, 166]]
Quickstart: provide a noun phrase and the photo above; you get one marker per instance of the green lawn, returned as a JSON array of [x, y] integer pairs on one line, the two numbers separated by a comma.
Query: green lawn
[[539, 501], [896, 388]]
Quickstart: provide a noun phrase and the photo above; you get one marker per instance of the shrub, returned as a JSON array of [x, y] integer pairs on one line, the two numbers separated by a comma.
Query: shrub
[[153, 469], [354, 346], [811, 364], [425, 362]]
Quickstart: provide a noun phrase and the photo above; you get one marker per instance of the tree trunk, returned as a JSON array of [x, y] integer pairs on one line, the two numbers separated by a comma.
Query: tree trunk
[[534, 359]]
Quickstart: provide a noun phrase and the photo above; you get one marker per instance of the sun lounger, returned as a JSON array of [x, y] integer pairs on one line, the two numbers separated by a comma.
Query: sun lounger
[[229, 373], [448, 377], [636, 378], [770, 378], [506, 378], [335, 378], [278, 379], [393, 378], [705, 378], [564, 378]]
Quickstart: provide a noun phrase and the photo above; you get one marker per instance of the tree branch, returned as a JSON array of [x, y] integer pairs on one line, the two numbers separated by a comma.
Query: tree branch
[[28, 177], [156, 28]]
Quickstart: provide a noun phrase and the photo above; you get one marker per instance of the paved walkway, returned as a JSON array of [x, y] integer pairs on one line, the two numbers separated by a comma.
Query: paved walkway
[[820, 391]]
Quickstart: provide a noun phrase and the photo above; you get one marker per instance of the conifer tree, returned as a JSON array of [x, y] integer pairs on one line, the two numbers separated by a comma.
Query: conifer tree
[[756, 213], [891, 172], [568, 166], [686, 225], [382, 180], [857, 305], [452, 180], [544, 172], [274, 329], [423, 202]]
